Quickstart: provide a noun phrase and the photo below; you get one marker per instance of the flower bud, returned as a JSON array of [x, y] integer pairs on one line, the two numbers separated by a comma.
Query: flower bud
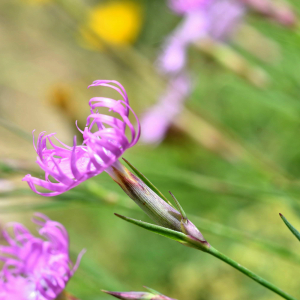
[[146, 196], [138, 295], [190, 229], [155, 207]]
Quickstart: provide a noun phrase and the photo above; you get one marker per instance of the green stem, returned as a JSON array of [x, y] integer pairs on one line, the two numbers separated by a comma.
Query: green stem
[[249, 273]]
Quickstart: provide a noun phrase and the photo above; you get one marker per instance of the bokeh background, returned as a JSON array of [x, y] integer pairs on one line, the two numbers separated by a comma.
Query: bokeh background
[[231, 157]]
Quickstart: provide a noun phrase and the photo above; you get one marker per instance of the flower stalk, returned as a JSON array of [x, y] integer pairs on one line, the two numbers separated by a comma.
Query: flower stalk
[[172, 223], [249, 273], [161, 212], [69, 166]]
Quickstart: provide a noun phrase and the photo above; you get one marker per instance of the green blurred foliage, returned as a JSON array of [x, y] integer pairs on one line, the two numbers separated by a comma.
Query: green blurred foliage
[[43, 79]]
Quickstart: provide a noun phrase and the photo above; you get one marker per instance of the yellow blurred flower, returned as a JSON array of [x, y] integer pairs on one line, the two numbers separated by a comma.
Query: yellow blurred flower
[[117, 23]]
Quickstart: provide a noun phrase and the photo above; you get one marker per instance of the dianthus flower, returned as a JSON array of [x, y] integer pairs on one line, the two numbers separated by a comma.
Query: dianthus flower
[[35, 268], [69, 166]]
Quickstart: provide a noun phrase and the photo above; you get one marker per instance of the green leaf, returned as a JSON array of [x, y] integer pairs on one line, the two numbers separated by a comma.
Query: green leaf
[[169, 233], [147, 181], [182, 212], [152, 291], [294, 231]]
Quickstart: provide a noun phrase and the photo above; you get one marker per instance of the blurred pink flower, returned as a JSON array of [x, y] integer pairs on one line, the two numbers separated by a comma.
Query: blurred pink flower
[[69, 166], [216, 19], [35, 268], [187, 6], [173, 57], [158, 118]]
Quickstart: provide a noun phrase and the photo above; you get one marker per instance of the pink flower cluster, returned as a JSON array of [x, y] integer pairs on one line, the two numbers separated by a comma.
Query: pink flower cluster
[[216, 19], [181, 7], [35, 268], [65, 167]]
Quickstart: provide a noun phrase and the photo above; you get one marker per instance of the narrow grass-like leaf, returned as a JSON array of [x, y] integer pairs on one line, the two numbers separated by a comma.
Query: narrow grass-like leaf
[[152, 291], [19, 206], [147, 181], [182, 212], [9, 125], [242, 236], [294, 231], [250, 274], [169, 233]]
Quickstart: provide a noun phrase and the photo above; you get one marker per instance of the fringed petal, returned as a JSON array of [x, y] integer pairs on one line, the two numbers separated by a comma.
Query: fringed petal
[[70, 166], [38, 266]]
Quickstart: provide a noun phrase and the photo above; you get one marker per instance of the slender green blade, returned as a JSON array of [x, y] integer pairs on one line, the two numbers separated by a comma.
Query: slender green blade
[[147, 181], [169, 233], [152, 291], [9, 125], [294, 231], [182, 212]]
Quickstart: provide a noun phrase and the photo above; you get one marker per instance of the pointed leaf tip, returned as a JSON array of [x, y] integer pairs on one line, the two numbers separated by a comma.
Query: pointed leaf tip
[[114, 294], [120, 216], [294, 231], [182, 212], [109, 292], [152, 291]]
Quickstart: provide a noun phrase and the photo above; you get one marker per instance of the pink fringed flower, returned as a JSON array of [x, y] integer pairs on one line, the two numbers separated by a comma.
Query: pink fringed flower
[[35, 268], [69, 166]]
